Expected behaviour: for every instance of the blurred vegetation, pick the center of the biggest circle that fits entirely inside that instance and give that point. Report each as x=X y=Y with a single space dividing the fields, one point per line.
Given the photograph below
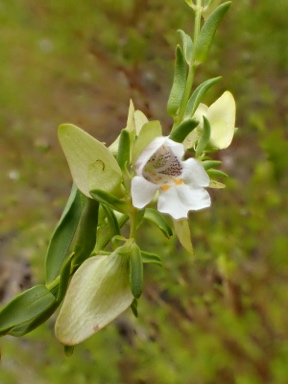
x=220 y=319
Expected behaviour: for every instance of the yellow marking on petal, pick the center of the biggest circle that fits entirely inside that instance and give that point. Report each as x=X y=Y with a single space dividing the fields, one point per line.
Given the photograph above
x=178 y=182
x=165 y=187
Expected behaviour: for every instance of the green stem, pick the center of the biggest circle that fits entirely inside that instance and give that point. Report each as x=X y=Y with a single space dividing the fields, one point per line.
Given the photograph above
x=133 y=223
x=192 y=67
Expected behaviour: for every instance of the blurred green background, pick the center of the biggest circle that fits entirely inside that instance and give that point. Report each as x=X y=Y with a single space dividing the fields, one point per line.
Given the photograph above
x=220 y=319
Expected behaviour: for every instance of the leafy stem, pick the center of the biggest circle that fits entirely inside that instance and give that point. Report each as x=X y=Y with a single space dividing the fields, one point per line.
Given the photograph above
x=192 y=66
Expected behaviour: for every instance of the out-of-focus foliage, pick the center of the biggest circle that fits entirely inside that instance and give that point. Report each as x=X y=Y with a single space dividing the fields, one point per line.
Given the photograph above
x=221 y=319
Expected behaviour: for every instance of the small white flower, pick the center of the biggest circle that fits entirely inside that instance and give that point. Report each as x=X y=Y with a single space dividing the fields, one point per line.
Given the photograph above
x=180 y=183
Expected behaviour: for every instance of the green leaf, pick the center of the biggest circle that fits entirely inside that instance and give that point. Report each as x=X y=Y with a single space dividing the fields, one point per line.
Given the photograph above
x=82 y=151
x=112 y=220
x=68 y=350
x=207 y=164
x=86 y=238
x=30 y=325
x=136 y=271
x=111 y=200
x=99 y=172
x=123 y=155
x=217 y=173
x=179 y=83
x=63 y=235
x=158 y=219
x=25 y=307
x=151 y=258
x=182 y=231
x=148 y=132
x=179 y=133
x=206 y=36
x=197 y=96
x=204 y=139
x=134 y=307
x=106 y=232
x=187 y=46
x=64 y=279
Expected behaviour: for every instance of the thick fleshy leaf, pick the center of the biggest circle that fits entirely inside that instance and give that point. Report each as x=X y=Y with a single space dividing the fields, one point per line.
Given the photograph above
x=217 y=173
x=99 y=292
x=83 y=151
x=179 y=82
x=207 y=164
x=63 y=235
x=204 y=138
x=187 y=46
x=183 y=232
x=136 y=271
x=86 y=238
x=148 y=132
x=206 y=36
x=182 y=131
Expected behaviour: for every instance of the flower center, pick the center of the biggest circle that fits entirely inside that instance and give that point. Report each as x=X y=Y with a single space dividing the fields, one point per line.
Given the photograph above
x=163 y=168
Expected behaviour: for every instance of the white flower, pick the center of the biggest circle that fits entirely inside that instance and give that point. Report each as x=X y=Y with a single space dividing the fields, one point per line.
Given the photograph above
x=180 y=183
x=221 y=116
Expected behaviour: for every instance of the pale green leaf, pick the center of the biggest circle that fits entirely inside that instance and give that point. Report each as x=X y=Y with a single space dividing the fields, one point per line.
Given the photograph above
x=83 y=151
x=182 y=230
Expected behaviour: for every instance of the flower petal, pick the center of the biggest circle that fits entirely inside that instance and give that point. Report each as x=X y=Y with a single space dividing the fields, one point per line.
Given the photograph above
x=149 y=151
x=178 y=200
x=99 y=291
x=142 y=191
x=194 y=173
x=221 y=116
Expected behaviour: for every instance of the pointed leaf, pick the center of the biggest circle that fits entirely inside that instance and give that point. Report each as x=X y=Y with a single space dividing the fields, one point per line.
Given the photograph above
x=179 y=82
x=216 y=184
x=63 y=235
x=206 y=36
x=197 y=96
x=187 y=46
x=139 y=119
x=86 y=238
x=158 y=219
x=204 y=139
x=82 y=151
x=183 y=232
x=111 y=200
x=25 y=307
x=217 y=173
x=134 y=307
x=151 y=258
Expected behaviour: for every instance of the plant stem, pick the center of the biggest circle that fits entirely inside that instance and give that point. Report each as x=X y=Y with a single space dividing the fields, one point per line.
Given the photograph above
x=192 y=66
